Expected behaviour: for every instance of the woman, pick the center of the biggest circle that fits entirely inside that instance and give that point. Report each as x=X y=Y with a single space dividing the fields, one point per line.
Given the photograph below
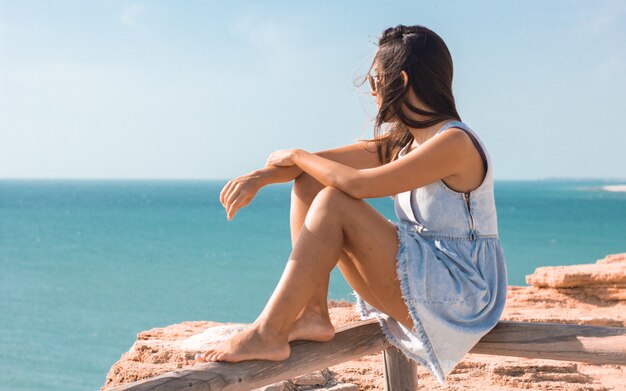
x=436 y=280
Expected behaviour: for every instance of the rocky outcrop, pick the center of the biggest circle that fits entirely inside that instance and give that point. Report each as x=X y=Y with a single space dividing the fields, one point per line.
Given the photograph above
x=580 y=294
x=165 y=349
x=605 y=279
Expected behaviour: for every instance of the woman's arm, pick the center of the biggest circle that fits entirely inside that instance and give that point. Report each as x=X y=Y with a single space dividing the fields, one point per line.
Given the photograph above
x=440 y=157
x=240 y=191
x=359 y=155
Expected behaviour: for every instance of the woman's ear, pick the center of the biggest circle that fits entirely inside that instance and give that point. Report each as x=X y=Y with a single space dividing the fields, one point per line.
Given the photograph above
x=405 y=78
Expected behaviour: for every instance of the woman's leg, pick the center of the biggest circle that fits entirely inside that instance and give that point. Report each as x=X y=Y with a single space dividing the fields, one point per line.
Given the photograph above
x=313 y=322
x=335 y=221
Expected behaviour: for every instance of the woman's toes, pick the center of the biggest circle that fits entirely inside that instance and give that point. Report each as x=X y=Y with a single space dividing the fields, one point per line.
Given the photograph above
x=203 y=357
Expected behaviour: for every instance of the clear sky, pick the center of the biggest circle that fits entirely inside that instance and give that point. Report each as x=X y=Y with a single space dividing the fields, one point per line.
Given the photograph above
x=207 y=89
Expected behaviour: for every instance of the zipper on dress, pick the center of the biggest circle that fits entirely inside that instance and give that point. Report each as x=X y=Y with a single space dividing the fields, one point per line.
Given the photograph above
x=469 y=211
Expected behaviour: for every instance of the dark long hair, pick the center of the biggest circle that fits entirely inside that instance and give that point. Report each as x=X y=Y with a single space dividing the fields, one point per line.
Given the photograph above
x=424 y=56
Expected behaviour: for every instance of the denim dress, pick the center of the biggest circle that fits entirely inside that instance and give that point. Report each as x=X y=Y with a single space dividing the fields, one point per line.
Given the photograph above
x=451 y=269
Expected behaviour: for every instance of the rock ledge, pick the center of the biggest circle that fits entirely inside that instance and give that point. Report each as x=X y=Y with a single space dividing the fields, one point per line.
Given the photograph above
x=592 y=294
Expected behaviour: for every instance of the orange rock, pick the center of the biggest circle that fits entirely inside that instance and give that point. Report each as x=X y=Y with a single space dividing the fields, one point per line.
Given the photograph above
x=600 y=300
x=612 y=258
x=610 y=272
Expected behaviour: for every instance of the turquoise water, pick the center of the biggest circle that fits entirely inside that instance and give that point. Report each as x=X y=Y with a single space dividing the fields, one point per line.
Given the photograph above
x=86 y=265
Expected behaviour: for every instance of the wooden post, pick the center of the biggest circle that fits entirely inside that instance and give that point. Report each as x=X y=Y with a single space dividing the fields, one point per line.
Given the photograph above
x=400 y=372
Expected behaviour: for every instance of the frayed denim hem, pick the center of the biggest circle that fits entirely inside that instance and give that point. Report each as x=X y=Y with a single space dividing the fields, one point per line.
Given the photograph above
x=431 y=362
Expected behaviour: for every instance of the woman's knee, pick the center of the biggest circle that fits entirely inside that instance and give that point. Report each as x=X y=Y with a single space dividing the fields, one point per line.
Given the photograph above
x=333 y=200
x=332 y=195
x=306 y=188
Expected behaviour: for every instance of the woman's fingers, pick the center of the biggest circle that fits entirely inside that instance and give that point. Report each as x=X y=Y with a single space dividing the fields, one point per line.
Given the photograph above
x=232 y=192
x=281 y=158
x=238 y=193
x=225 y=191
x=235 y=205
x=242 y=199
x=230 y=197
x=241 y=202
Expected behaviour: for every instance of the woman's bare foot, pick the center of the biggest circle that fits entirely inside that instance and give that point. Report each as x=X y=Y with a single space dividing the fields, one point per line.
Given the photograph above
x=250 y=344
x=312 y=326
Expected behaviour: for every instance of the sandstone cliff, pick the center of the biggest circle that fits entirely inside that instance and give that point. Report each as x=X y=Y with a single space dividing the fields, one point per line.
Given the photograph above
x=582 y=294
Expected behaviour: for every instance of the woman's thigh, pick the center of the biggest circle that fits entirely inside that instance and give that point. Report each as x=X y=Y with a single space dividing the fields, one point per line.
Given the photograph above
x=372 y=243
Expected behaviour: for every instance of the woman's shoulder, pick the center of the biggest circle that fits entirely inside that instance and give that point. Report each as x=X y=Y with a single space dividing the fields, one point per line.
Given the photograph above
x=464 y=131
x=477 y=156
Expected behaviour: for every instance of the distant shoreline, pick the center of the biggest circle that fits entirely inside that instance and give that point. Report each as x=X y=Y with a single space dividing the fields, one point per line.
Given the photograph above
x=615 y=188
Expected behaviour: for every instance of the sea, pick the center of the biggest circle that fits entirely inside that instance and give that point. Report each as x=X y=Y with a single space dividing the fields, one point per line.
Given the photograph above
x=87 y=264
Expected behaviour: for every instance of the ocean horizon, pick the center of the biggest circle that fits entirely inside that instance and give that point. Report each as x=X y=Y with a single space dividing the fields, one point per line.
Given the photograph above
x=87 y=264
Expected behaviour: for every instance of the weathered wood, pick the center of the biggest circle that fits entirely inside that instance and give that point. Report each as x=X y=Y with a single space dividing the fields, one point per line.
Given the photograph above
x=591 y=344
x=350 y=342
x=567 y=342
x=400 y=373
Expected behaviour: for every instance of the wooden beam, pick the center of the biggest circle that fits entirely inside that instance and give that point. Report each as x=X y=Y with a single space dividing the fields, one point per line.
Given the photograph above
x=567 y=342
x=591 y=344
x=400 y=372
x=350 y=342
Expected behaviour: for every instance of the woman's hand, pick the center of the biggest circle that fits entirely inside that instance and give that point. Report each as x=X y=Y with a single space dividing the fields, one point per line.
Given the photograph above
x=282 y=158
x=238 y=193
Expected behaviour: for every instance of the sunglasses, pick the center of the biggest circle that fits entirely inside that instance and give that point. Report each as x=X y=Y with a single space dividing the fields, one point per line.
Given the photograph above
x=374 y=81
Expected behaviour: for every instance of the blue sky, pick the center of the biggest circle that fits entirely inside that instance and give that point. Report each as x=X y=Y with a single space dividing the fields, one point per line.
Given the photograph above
x=204 y=89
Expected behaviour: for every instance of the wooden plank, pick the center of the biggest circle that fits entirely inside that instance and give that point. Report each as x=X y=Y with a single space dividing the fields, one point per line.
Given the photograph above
x=567 y=342
x=591 y=344
x=400 y=373
x=350 y=342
